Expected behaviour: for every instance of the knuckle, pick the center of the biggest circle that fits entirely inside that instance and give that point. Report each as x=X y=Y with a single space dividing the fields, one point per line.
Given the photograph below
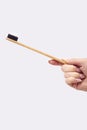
x=67 y=75
x=68 y=81
x=63 y=68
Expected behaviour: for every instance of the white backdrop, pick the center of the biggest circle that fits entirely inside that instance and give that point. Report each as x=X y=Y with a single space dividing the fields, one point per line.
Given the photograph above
x=33 y=94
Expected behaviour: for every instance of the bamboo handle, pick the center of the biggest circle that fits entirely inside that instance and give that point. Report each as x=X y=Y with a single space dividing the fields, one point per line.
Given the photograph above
x=61 y=61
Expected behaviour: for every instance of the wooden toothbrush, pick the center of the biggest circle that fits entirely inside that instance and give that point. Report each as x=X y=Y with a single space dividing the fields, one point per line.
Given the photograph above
x=14 y=39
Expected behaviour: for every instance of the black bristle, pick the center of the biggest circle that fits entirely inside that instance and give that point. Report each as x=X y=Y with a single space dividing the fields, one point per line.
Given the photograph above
x=12 y=37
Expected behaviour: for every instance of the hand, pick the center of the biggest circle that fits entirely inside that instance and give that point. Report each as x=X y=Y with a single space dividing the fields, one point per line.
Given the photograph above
x=75 y=72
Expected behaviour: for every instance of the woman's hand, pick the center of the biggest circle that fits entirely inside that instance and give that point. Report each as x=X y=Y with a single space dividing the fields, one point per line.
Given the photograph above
x=75 y=72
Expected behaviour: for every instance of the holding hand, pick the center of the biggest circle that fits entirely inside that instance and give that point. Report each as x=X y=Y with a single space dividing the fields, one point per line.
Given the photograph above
x=75 y=72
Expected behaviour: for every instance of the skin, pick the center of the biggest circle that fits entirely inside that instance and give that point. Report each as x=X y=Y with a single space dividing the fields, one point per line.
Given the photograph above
x=75 y=72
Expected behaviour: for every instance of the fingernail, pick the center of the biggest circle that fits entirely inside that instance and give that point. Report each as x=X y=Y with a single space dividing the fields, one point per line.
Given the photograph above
x=78 y=70
x=82 y=76
x=78 y=80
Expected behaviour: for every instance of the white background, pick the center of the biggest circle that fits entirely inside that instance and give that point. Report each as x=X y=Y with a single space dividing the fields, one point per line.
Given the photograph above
x=33 y=94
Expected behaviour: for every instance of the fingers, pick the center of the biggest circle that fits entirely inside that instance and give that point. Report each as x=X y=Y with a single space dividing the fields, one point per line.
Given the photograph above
x=74 y=74
x=70 y=68
x=71 y=80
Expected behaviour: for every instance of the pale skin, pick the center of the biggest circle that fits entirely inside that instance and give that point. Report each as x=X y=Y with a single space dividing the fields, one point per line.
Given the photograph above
x=75 y=72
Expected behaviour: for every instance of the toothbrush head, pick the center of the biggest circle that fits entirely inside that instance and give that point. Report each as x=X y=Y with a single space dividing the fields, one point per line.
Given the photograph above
x=12 y=37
